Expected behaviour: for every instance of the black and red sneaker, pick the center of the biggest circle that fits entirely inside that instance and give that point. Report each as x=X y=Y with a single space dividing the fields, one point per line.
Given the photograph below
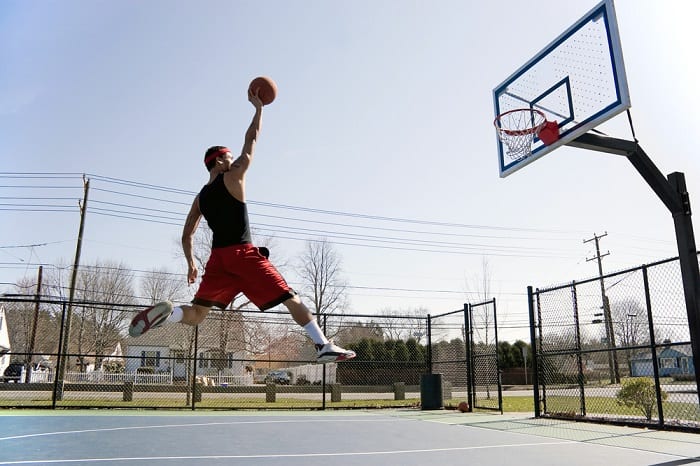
x=332 y=353
x=150 y=318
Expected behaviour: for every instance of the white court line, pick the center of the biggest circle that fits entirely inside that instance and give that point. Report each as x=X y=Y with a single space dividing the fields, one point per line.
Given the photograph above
x=167 y=426
x=297 y=455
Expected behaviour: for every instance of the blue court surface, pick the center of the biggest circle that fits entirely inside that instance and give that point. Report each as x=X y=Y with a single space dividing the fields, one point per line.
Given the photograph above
x=381 y=437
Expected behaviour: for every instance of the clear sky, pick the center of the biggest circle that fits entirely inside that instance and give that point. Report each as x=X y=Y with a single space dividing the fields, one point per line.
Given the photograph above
x=382 y=129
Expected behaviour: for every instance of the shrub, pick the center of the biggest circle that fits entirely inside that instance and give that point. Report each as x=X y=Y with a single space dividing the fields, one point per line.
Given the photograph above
x=640 y=393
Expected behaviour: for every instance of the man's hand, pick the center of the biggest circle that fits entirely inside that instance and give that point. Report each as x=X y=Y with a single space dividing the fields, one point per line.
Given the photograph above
x=192 y=273
x=255 y=100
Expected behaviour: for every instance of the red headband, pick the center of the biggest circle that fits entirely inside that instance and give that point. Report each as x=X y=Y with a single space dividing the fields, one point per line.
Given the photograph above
x=215 y=154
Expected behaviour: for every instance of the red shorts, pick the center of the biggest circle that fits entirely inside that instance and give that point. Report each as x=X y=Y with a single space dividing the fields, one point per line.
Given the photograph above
x=241 y=269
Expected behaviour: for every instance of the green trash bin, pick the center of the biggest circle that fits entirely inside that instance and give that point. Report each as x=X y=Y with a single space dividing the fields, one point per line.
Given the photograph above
x=431 y=391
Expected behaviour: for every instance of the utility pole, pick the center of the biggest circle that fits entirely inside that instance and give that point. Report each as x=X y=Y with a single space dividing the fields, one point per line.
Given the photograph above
x=32 y=337
x=61 y=372
x=607 y=316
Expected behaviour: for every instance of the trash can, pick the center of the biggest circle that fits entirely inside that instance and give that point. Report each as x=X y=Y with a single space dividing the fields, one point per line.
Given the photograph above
x=431 y=391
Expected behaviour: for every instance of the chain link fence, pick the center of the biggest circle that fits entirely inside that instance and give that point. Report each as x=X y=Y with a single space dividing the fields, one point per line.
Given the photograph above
x=233 y=360
x=448 y=354
x=487 y=388
x=616 y=349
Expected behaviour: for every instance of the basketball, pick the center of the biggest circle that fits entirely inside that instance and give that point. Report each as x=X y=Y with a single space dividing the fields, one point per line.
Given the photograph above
x=463 y=407
x=266 y=88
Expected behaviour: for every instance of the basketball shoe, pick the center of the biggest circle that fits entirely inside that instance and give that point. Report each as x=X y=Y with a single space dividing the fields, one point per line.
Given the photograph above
x=332 y=353
x=150 y=318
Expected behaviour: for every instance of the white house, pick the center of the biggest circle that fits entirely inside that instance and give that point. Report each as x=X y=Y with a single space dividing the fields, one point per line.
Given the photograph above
x=169 y=349
x=4 y=342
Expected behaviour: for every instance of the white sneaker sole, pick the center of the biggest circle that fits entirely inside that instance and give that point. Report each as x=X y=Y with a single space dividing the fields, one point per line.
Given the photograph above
x=150 y=318
x=335 y=357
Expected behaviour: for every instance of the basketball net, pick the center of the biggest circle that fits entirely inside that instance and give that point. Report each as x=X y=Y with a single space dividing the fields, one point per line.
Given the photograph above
x=517 y=130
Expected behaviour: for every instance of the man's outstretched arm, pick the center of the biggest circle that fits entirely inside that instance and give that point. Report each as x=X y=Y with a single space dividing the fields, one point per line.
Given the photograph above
x=191 y=223
x=251 y=135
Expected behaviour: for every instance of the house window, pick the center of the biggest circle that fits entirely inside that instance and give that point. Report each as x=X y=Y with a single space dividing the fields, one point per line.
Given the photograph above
x=229 y=359
x=150 y=358
x=203 y=361
x=667 y=362
x=179 y=356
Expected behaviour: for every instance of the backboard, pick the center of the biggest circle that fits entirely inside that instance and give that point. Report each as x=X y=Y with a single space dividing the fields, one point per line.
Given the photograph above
x=578 y=80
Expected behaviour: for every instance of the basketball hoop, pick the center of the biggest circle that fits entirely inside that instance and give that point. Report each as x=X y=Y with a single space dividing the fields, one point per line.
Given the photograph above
x=517 y=130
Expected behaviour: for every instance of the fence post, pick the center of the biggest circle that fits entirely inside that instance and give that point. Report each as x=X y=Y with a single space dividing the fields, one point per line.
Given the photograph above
x=535 y=355
x=579 y=362
x=58 y=378
x=399 y=390
x=270 y=392
x=128 y=391
x=652 y=342
x=335 y=392
x=194 y=369
x=498 y=361
x=430 y=346
x=324 y=379
x=468 y=354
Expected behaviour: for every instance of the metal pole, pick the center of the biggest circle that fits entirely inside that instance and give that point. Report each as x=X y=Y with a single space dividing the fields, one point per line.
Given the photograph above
x=533 y=345
x=674 y=195
x=652 y=342
x=59 y=358
x=687 y=255
x=323 y=375
x=468 y=354
x=430 y=347
x=194 y=366
x=579 y=363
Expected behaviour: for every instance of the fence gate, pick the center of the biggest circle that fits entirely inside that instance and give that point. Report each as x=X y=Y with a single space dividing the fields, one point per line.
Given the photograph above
x=485 y=389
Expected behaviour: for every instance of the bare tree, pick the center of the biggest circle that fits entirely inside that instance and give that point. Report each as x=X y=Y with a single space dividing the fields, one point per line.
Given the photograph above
x=631 y=326
x=160 y=284
x=483 y=320
x=20 y=322
x=321 y=275
x=402 y=324
x=103 y=287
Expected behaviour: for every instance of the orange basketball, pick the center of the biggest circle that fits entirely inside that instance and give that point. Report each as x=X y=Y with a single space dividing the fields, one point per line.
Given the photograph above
x=266 y=88
x=463 y=407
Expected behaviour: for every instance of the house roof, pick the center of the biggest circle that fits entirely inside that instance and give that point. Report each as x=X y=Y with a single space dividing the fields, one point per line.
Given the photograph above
x=665 y=353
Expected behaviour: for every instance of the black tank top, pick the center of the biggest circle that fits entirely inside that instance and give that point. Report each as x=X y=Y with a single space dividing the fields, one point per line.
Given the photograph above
x=227 y=216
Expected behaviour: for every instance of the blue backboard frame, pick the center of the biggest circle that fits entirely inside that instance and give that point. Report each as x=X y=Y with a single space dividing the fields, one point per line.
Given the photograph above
x=562 y=91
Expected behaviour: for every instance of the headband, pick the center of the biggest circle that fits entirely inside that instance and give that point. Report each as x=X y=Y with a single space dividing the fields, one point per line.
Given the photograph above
x=216 y=154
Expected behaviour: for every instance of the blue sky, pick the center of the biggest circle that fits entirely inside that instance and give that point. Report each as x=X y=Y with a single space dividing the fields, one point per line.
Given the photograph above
x=382 y=127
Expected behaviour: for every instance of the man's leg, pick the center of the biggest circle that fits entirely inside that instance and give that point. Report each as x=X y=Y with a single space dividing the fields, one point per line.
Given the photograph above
x=164 y=313
x=191 y=315
x=326 y=350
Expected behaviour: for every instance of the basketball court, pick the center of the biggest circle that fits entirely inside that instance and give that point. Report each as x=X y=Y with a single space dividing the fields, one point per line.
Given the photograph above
x=405 y=437
x=556 y=98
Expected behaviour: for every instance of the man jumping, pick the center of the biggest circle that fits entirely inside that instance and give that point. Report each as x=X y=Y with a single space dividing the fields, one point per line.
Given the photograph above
x=235 y=264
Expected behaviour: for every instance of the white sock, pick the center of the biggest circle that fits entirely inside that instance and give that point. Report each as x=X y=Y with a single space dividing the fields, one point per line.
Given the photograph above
x=315 y=332
x=176 y=315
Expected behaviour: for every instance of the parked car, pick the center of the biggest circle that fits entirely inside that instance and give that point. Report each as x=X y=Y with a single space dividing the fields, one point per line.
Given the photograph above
x=13 y=372
x=278 y=377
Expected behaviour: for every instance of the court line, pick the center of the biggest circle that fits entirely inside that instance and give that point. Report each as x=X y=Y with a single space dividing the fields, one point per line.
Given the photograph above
x=290 y=455
x=203 y=424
